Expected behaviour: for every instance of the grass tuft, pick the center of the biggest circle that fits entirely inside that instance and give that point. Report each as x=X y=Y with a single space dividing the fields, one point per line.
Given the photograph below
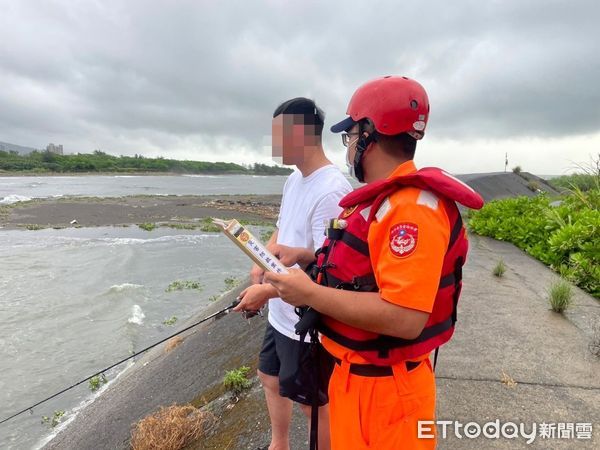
x=507 y=380
x=560 y=296
x=499 y=269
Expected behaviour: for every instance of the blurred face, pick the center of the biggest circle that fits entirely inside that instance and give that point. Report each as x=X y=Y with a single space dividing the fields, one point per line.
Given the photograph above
x=291 y=137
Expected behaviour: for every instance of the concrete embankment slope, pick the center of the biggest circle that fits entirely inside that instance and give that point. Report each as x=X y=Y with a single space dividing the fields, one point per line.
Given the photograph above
x=506 y=184
x=191 y=372
x=505 y=327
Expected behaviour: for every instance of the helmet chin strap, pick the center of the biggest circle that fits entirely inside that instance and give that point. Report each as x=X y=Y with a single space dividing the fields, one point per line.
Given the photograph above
x=361 y=147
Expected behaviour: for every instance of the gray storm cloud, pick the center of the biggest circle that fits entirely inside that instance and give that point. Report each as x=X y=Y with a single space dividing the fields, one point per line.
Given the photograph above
x=125 y=73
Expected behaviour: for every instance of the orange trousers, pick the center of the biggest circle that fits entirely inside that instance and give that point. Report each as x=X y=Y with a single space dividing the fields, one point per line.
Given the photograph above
x=381 y=412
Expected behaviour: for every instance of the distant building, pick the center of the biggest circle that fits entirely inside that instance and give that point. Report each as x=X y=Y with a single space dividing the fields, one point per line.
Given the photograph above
x=21 y=150
x=51 y=148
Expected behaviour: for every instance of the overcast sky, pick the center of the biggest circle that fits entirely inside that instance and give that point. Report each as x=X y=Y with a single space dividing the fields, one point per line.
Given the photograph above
x=200 y=79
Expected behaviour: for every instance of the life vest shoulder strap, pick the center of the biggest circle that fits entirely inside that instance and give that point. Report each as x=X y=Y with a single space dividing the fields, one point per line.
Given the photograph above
x=429 y=178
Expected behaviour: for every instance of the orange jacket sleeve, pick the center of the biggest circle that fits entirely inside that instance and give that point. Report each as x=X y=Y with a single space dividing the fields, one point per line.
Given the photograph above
x=407 y=242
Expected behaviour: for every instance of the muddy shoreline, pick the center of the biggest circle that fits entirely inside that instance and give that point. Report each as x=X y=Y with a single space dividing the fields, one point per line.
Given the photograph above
x=123 y=211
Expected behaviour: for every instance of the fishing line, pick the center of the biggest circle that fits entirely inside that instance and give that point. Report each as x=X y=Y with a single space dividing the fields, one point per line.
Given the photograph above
x=101 y=372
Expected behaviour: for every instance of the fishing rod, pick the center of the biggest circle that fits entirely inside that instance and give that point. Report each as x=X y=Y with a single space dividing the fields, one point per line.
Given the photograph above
x=217 y=315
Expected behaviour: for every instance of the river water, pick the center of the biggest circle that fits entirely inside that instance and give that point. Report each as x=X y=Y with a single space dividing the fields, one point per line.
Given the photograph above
x=73 y=301
x=14 y=189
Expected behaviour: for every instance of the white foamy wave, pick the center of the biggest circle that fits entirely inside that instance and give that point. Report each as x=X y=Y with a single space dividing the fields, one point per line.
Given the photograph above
x=187 y=238
x=125 y=287
x=202 y=176
x=76 y=242
x=93 y=242
x=14 y=198
x=137 y=315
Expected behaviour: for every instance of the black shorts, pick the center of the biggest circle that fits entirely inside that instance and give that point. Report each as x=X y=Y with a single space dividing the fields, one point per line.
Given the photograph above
x=303 y=368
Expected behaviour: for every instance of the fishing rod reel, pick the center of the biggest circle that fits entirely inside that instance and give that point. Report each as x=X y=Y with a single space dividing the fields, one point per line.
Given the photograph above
x=248 y=314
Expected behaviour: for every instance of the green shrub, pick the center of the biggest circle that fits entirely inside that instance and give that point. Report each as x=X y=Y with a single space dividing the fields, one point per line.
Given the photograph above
x=180 y=285
x=583 y=181
x=96 y=382
x=54 y=420
x=266 y=234
x=517 y=170
x=34 y=227
x=499 y=269
x=533 y=186
x=147 y=226
x=560 y=296
x=170 y=321
x=206 y=225
x=230 y=283
x=236 y=380
x=564 y=237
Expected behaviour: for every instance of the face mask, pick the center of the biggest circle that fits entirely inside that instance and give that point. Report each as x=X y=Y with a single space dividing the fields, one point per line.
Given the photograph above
x=350 y=166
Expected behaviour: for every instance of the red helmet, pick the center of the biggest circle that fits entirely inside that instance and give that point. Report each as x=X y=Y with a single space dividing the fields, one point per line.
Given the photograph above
x=394 y=104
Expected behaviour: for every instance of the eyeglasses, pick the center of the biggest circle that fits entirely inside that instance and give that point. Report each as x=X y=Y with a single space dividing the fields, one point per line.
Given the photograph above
x=346 y=138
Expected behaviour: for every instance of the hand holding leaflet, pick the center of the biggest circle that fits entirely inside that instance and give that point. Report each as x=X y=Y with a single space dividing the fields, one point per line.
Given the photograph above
x=250 y=245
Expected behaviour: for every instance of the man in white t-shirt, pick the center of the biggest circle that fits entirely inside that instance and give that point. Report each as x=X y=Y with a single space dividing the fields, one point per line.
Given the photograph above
x=310 y=197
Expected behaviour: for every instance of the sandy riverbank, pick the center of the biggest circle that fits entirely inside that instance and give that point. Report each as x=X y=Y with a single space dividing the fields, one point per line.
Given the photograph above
x=95 y=211
x=119 y=211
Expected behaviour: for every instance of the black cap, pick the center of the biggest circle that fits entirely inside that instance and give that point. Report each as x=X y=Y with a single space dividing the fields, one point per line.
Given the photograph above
x=344 y=125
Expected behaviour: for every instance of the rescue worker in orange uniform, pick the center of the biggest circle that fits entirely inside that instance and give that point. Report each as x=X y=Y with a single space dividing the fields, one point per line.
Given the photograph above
x=395 y=257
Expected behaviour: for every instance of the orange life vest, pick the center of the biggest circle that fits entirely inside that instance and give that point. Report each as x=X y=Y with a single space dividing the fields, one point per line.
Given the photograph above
x=344 y=263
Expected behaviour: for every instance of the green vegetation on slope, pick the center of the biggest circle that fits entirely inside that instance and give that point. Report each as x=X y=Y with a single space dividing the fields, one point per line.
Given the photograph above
x=582 y=181
x=44 y=162
x=563 y=234
x=586 y=180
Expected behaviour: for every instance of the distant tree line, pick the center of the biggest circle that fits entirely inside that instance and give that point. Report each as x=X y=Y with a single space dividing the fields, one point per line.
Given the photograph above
x=46 y=162
x=582 y=181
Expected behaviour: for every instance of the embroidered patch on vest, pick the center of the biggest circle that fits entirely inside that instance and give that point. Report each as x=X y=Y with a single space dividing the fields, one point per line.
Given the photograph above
x=403 y=239
x=349 y=211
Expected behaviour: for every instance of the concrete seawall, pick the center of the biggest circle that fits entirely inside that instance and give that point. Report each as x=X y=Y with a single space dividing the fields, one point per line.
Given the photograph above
x=505 y=327
x=193 y=369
